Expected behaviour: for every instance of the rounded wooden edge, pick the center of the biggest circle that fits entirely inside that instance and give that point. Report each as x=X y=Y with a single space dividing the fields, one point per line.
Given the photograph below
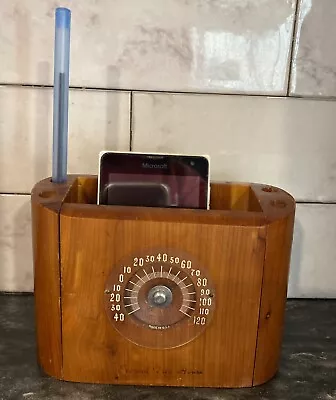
x=46 y=372
x=272 y=374
x=46 y=202
x=274 y=294
x=51 y=195
x=268 y=203
x=276 y=203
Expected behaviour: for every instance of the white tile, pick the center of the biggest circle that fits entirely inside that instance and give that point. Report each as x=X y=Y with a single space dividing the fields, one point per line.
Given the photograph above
x=16 y=265
x=313 y=272
x=314 y=58
x=178 y=45
x=97 y=120
x=289 y=143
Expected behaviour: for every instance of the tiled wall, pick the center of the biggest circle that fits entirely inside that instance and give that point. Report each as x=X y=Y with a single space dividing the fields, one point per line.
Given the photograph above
x=250 y=82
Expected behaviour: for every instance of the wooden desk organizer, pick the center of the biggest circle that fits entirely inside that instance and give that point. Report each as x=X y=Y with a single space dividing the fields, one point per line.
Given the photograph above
x=148 y=296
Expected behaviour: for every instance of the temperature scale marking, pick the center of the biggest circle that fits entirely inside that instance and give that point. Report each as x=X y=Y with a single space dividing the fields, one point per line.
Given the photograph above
x=185 y=313
x=134 y=311
x=131 y=305
x=146 y=274
x=159 y=293
x=140 y=278
x=135 y=284
x=176 y=275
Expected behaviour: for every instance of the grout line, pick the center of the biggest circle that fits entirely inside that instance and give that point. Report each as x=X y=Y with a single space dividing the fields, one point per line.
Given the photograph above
x=40 y=86
x=23 y=85
x=93 y=88
x=291 y=53
x=317 y=203
x=131 y=122
x=179 y=92
x=13 y=292
x=14 y=194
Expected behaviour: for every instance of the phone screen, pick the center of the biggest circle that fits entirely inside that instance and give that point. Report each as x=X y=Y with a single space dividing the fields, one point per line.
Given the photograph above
x=154 y=180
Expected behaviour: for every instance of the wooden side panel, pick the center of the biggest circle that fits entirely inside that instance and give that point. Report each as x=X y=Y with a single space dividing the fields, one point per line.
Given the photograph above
x=94 y=351
x=273 y=298
x=47 y=288
x=46 y=201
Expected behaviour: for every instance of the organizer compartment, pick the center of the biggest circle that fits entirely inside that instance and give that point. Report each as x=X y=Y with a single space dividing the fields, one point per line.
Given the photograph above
x=241 y=245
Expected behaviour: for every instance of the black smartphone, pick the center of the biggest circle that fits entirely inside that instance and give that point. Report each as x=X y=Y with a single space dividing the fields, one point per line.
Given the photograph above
x=153 y=180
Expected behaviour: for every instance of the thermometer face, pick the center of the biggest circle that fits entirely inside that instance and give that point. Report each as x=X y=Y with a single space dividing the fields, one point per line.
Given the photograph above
x=159 y=299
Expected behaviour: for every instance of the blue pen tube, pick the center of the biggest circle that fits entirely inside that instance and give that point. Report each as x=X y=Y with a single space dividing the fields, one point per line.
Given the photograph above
x=61 y=94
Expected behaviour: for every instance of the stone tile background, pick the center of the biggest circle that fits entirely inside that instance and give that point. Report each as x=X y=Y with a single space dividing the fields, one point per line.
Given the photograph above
x=249 y=82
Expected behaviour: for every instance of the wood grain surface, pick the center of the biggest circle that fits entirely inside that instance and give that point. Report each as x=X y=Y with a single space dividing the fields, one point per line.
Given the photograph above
x=243 y=243
x=275 y=282
x=46 y=204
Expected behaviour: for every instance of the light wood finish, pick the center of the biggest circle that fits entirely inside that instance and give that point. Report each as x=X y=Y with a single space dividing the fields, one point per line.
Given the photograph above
x=91 y=248
x=274 y=287
x=46 y=204
x=243 y=243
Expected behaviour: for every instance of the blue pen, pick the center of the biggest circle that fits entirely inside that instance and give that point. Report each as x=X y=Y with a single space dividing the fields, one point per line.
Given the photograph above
x=61 y=95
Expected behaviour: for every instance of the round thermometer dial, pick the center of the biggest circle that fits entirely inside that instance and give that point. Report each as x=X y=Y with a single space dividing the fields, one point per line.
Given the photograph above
x=159 y=299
